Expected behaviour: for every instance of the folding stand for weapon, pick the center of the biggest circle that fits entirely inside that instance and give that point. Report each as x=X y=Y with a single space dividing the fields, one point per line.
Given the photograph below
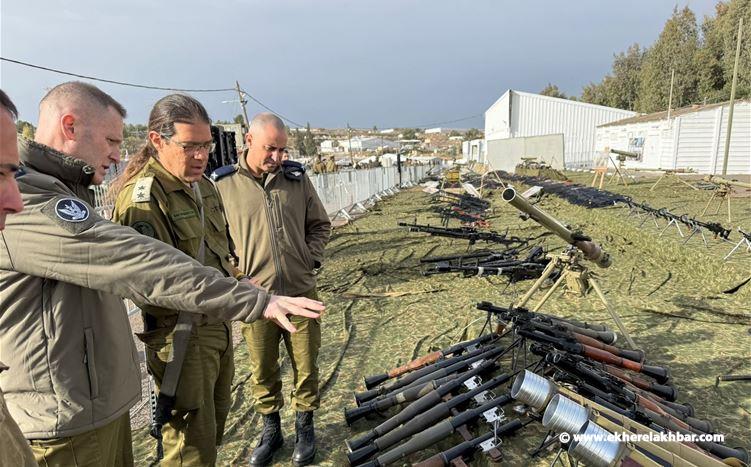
x=671 y=173
x=620 y=170
x=647 y=215
x=694 y=230
x=745 y=238
x=674 y=222
x=722 y=193
x=576 y=277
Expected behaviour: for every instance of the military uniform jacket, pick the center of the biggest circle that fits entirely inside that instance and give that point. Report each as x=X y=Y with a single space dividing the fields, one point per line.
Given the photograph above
x=279 y=229
x=64 y=333
x=156 y=203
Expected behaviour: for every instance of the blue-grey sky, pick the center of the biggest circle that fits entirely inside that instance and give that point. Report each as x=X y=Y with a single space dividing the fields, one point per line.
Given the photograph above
x=390 y=63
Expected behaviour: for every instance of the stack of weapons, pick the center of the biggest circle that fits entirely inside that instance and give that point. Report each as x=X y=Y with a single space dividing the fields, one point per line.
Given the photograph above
x=472 y=234
x=467 y=209
x=580 y=382
x=489 y=263
x=695 y=225
x=579 y=195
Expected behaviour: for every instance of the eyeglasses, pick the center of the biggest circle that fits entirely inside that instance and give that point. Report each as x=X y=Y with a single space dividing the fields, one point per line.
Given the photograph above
x=193 y=148
x=274 y=149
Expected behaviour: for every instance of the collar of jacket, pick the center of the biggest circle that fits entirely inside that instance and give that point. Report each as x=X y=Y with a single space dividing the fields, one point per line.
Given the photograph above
x=71 y=171
x=168 y=181
x=242 y=167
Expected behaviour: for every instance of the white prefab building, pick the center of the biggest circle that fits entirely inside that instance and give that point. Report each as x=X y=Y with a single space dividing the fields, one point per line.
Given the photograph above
x=558 y=131
x=693 y=138
x=474 y=150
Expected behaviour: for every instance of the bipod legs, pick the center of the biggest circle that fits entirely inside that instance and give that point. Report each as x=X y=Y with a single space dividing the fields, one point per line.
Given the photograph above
x=677 y=226
x=738 y=245
x=694 y=231
x=613 y=313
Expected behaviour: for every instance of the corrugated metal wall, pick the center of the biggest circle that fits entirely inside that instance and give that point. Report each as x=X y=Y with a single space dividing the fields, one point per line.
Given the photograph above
x=694 y=141
x=533 y=115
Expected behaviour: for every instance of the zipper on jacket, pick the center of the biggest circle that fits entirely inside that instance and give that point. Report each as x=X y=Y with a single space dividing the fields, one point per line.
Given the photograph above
x=274 y=245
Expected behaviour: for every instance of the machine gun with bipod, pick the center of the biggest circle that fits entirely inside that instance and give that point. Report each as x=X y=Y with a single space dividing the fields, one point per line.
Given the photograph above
x=465 y=233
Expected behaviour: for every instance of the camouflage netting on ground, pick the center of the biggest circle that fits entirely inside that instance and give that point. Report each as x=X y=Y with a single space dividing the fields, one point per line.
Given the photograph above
x=382 y=312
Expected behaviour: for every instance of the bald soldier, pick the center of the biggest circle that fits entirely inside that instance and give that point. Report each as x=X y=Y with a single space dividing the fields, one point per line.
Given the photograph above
x=279 y=228
x=64 y=330
x=14 y=449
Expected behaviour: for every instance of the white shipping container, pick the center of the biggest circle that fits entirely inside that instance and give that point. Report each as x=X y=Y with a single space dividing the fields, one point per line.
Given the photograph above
x=520 y=114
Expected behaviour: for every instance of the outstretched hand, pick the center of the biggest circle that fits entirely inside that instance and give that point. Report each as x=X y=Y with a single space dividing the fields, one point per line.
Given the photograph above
x=279 y=307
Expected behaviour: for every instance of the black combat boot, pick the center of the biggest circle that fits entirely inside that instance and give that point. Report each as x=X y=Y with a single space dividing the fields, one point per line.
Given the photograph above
x=305 y=442
x=271 y=440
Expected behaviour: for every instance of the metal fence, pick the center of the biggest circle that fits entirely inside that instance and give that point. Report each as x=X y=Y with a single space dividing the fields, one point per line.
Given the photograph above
x=339 y=192
x=343 y=190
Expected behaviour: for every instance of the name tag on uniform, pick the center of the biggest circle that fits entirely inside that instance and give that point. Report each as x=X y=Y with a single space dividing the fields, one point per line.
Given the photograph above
x=187 y=214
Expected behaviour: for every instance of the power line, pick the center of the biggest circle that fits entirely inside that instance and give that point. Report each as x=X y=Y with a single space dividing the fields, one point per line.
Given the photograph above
x=447 y=121
x=271 y=110
x=121 y=83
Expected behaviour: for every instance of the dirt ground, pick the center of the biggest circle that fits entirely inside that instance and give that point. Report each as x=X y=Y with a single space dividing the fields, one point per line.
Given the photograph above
x=382 y=312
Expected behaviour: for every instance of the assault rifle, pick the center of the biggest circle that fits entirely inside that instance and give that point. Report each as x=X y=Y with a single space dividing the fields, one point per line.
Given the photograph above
x=528 y=268
x=660 y=374
x=464 y=233
x=597 y=331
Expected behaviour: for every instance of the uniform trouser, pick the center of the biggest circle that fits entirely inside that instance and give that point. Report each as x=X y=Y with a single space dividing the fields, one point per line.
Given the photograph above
x=14 y=449
x=110 y=445
x=263 y=338
x=203 y=396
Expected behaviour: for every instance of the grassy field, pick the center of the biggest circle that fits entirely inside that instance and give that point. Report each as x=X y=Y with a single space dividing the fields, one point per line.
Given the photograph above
x=382 y=312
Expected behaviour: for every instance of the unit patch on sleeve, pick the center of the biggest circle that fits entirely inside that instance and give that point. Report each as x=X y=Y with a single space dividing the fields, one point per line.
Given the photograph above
x=70 y=213
x=144 y=228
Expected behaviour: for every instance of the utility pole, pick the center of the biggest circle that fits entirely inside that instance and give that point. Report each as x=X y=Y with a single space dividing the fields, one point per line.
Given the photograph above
x=670 y=99
x=732 y=99
x=243 y=101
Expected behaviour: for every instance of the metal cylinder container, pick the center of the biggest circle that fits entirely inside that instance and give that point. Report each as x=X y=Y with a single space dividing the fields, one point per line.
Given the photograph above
x=564 y=415
x=593 y=448
x=533 y=390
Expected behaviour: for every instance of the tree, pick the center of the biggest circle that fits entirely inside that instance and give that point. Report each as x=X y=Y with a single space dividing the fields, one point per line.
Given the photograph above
x=675 y=49
x=472 y=133
x=409 y=133
x=239 y=119
x=308 y=143
x=454 y=133
x=552 y=91
x=715 y=59
x=26 y=129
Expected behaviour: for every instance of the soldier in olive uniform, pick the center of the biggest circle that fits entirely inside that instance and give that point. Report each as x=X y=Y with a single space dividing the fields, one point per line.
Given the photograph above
x=14 y=449
x=318 y=166
x=165 y=195
x=331 y=165
x=64 y=331
x=279 y=228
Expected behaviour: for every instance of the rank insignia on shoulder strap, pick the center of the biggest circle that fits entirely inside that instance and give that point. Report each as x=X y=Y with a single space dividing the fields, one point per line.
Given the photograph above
x=142 y=190
x=293 y=170
x=222 y=172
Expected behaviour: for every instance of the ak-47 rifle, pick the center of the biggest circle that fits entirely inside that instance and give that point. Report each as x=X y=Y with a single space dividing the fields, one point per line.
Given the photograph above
x=596 y=331
x=660 y=374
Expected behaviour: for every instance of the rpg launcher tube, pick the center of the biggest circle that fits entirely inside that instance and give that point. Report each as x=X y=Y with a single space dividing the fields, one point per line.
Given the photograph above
x=424 y=420
x=436 y=433
x=443 y=459
x=592 y=251
x=417 y=407
x=362 y=397
x=375 y=380
x=407 y=395
x=488 y=353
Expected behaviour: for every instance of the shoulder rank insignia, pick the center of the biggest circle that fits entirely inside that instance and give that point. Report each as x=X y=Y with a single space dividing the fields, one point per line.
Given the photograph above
x=142 y=190
x=222 y=172
x=293 y=170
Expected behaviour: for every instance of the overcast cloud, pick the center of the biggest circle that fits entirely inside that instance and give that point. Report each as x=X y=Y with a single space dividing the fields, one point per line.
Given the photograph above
x=390 y=63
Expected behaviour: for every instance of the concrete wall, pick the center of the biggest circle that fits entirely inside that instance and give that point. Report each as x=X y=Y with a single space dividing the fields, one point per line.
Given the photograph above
x=505 y=154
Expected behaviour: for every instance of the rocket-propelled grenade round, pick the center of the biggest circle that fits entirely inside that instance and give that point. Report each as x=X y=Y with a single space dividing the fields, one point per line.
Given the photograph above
x=592 y=251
